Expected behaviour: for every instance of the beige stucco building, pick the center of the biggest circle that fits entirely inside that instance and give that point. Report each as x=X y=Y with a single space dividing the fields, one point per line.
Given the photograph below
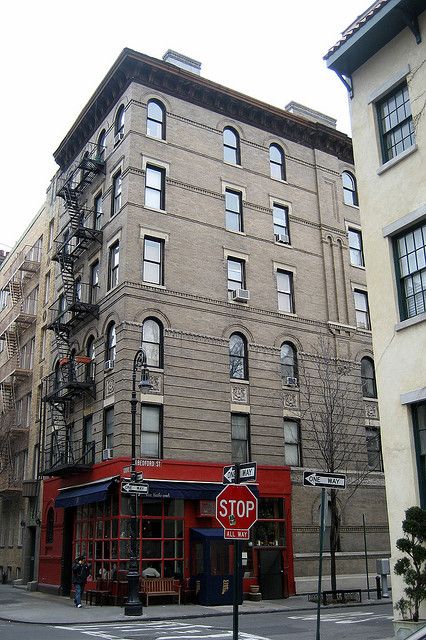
x=381 y=58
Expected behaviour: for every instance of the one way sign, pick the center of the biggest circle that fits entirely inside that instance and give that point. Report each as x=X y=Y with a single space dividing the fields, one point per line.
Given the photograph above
x=324 y=479
x=247 y=473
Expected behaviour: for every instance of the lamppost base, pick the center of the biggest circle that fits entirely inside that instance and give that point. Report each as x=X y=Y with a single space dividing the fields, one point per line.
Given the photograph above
x=133 y=609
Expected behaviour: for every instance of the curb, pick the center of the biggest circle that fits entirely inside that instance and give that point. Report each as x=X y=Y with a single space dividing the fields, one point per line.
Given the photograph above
x=207 y=614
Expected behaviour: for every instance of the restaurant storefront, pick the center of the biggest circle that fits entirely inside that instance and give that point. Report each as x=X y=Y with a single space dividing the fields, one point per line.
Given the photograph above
x=91 y=515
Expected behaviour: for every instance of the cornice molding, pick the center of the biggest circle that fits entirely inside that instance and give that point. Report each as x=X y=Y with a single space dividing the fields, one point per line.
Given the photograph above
x=132 y=66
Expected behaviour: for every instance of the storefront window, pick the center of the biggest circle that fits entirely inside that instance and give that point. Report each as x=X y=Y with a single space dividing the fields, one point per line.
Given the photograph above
x=269 y=530
x=104 y=536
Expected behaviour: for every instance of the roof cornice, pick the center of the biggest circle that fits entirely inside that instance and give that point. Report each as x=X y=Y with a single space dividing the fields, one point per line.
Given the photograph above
x=132 y=66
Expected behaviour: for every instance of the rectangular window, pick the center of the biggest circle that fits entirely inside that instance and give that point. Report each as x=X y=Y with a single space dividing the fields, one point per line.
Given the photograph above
x=153 y=251
x=109 y=428
x=50 y=239
x=151 y=430
x=395 y=122
x=94 y=282
x=355 y=248
x=233 y=210
x=280 y=218
x=155 y=180
x=374 y=450
x=240 y=441
x=410 y=257
x=285 y=291
x=292 y=445
x=236 y=274
x=88 y=449
x=43 y=343
x=116 y=194
x=361 y=309
x=97 y=210
x=47 y=287
x=113 y=264
x=419 y=425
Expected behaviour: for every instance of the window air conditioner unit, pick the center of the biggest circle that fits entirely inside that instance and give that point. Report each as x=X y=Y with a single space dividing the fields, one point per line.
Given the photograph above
x=107 y=454
x=109 y=364
x=282 y=237
x=291 y=382
x=241 y=295
x=118 y=136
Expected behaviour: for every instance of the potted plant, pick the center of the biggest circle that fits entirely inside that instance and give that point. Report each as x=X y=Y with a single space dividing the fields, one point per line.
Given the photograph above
x=412 y=568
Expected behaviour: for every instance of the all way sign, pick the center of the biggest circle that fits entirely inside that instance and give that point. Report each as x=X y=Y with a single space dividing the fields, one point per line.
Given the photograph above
x=324 y=479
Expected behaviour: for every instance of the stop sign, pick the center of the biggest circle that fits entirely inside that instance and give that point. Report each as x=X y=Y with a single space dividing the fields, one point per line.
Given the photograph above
x=236 y=507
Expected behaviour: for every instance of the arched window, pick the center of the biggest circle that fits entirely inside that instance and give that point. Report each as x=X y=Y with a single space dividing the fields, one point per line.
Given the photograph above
x=277 y=162
x=350 y=194
x=368 y=378
x=50 y=522
x=90 y=348
x=156 y=120
x=119 y=122
x=288 y=356
x=101 y=146
x=152 y=342
x=111 y=343
x=238 y=361
x=231 y=146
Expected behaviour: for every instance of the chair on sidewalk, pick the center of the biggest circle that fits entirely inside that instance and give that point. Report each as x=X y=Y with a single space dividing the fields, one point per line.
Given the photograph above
x=100 y=594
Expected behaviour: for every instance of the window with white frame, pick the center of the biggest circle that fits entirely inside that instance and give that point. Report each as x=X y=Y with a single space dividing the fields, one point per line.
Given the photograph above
x=116 y=193
x=355 y=248
x=113 y=264
x=156 y=120
x=374 y=449
x=111 y=343
x=151 y=430
x=231 y=146
x=350 y=193
x=362 y=312
x=98 y=209
x=395 y=122
x=292 y=444
x=152 y=342
x=285 y=291
x=109 y=428
x=236 y=274
x=240 y=440
x=418 y=411
x=155 y=180
x=233 y=210
x=153 y=251
x=277 y=162
x=280 y=219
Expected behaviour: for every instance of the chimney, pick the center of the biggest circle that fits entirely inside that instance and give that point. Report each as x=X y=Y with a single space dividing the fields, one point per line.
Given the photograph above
x=179 y=60
x=310 y=114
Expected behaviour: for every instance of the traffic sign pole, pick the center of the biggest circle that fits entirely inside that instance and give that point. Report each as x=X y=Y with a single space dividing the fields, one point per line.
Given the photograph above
x=321 y=544
x=237 y=570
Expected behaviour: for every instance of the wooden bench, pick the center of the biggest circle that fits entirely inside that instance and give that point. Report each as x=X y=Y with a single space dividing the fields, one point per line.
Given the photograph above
x=159 y=587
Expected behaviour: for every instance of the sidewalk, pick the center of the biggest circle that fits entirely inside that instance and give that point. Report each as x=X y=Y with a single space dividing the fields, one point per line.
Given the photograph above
x=20 y=605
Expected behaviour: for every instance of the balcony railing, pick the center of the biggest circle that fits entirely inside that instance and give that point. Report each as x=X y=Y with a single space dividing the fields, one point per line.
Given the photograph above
x=82 y=307
x=90 y=163
x=27 y=260
x=76 y=237
x=71 y=379
x=68 y=458
x=10 y=484
x=17 y=366
x=22 y=313
x=14 y=423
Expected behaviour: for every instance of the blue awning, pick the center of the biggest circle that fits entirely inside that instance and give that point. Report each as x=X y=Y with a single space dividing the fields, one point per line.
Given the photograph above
x=85 y=494
x=187 y=490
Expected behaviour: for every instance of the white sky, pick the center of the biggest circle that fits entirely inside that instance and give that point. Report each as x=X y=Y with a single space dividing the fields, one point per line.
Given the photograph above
x=54 y=53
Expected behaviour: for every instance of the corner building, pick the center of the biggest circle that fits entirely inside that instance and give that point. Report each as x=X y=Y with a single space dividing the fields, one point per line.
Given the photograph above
x=210 y=229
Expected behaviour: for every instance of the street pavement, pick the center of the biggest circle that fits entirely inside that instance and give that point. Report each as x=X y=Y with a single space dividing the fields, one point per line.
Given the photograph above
x=20 y=605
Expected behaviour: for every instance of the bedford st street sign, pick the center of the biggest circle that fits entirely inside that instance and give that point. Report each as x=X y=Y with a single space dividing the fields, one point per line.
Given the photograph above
x=323 y=479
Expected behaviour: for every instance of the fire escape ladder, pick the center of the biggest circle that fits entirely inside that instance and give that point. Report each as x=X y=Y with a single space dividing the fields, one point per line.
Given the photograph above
x=15 y=287
x=12 y=341
x=60 y=450
x=7 y=390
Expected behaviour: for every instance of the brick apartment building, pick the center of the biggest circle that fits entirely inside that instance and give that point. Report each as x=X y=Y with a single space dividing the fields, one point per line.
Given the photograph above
x=221 y=235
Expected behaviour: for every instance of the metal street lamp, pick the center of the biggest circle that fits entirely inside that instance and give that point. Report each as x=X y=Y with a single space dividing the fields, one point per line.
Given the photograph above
x=133 y=606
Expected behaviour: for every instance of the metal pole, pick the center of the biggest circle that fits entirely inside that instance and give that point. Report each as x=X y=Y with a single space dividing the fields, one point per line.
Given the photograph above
x=366 y=555
x=321 y=543
x=133 y=606
x=237 y=564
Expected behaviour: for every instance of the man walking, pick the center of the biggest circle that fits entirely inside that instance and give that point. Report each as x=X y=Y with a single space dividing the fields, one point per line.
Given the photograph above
x=80 y=571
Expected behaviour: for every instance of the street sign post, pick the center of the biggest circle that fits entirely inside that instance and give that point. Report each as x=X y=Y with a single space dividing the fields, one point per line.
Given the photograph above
x=324 y=479
x=138 y=488
x=247 y=473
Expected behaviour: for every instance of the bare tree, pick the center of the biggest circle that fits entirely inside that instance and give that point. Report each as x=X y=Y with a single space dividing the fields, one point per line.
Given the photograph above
x=333 y=412
x=418 y=101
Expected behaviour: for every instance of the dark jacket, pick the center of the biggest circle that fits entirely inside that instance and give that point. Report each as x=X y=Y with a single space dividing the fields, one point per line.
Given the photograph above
x=80 y=572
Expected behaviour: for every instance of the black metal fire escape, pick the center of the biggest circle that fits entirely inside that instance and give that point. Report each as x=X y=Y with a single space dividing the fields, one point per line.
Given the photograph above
x=73 y=377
